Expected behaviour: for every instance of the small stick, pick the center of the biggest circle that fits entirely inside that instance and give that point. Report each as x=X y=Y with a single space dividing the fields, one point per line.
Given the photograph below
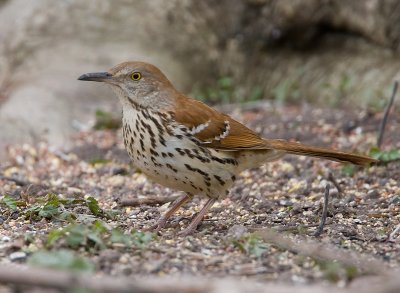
x=324 y=251
x=296 y=227
x=386 y=114
x=324 y=212
x=149 y=200
x=335 y=183
x=40 y=279
x=392 y=236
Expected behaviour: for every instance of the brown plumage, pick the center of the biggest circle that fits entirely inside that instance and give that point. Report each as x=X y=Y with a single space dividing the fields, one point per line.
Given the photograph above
x=192 y=113
x=185 y=144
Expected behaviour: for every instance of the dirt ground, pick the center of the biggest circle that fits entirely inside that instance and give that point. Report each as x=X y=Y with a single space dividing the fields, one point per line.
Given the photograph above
x=286 y=195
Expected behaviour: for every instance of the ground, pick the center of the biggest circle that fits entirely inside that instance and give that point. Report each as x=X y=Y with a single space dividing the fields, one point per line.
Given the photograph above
x=91 y=182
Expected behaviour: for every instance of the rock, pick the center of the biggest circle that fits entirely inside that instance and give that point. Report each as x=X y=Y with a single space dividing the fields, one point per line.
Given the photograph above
x=236 y=231
x=44 y=49
x=372 y=194
x=119 y=171
x=45 y=45
x=5 y=239
x=17 y=256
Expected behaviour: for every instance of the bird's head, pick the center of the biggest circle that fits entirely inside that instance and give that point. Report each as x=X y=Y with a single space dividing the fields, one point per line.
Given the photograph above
x=136 y=81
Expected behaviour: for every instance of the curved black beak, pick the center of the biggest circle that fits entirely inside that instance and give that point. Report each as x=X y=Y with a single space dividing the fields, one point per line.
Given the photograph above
x=95 y=76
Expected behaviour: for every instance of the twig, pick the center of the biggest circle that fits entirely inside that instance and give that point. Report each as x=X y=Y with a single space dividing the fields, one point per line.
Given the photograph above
x=149 y=200
x=335 y=183
x=324 y=252
x=324 y=212
x=392 y=236
x=386 y=114
x=296 y=227
x=67 y=280
x=17 y=181
x=64 y=281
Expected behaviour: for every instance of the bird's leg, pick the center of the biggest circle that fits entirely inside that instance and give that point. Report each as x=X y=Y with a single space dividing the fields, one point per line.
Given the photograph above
x=164 y=218
x=196 y=221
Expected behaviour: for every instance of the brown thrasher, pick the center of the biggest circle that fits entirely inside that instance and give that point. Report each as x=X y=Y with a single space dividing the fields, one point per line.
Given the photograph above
x=184 y=144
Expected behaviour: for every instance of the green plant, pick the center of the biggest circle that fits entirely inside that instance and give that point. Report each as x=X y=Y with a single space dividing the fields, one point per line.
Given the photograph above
x=225 y=91
x=106 y=120
x=335 y=271
x=348 y=169
x=385 y=156
x=62 y=259
x=10 y=202
x=251 y=244
x=286 y=90
x=345 y=85
x=99 y=161
x=96 y=236
x=339 y=90
x=52 y=206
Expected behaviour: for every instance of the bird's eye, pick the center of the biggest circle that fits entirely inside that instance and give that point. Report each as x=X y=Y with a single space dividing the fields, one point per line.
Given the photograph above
x=136 y=76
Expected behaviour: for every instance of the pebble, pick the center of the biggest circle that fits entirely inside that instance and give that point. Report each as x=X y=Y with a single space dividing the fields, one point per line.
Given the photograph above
x=119 y=171
x=381 y=238
x=237 y=231
x=17 y=256
x=73 y=190
x=124 y=259
x=5 y=239
x=285 y=203
x=394 y=199
x=372 y=194
x=116 y=180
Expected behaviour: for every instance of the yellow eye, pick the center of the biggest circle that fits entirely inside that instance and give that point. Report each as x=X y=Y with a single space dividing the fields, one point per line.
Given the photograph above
x=136 y=76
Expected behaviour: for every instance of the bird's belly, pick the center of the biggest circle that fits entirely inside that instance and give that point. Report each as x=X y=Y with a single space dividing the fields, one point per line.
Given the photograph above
x=183 y=170
x=181 y=164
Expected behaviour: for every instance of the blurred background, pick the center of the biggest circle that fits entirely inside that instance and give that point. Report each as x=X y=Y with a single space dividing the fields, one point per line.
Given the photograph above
x=322 y=52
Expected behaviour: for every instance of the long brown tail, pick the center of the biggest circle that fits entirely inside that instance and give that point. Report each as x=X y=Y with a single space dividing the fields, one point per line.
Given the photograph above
x=305 y=150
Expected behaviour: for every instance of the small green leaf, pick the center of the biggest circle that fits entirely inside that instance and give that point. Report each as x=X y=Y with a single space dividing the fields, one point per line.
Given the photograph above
x=251 y=244
x=67 y=216
x=33 y=210
x=117 y=236
x=99 y=161
x=99 y=226
x=53 y=236
x=52 y=198
x=62 y=259
x=96 y=239
x=93 y=206
x=140 y=239
x=49 y=211
x=385 y=156
x=10 y=202
x=348 y=169
x=75 y=235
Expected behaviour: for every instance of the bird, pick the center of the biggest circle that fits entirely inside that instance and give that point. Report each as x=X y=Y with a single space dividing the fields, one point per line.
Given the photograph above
x=186 y=145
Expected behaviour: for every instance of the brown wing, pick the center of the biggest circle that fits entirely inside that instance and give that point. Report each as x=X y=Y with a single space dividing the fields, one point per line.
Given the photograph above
x=219 y=131
x=214 y=129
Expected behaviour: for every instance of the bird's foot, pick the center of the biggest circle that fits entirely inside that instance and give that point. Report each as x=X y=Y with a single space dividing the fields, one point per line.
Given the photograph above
x=187 y=231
